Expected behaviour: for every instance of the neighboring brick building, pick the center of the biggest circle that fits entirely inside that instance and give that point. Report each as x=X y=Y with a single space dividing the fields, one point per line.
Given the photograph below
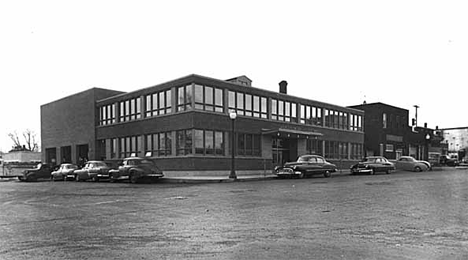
x=184 y=125
x=389 y=134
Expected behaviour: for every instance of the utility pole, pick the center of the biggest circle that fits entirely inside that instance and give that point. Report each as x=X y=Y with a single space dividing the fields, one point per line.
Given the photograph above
x=416 y=116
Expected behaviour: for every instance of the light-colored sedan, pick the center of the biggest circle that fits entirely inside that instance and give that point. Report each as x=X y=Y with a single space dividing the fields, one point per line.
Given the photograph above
x=408 y=163
x=93 y=170
x=64 y=172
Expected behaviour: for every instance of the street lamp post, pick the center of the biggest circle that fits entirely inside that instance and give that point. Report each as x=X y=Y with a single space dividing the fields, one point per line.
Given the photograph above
x=232 y=175
x=428 y=138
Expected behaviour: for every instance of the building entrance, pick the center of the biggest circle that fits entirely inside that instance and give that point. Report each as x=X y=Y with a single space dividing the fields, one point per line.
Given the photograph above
x=284 y=150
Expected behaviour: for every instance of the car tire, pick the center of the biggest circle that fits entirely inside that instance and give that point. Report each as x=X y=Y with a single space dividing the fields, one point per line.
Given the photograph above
x=388 y=171
x=77 y=177
x=302 y=175
x=372 y=171
x=95 y=178
x=417 y=169
x=327 y=174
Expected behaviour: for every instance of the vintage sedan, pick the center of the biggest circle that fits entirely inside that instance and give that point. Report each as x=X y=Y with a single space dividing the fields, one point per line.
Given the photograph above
x=373 y=164
x=135 y=169
x=305 y=166
x=408 y=163
x=41 y=172
x=64 y=172
x=92 y=170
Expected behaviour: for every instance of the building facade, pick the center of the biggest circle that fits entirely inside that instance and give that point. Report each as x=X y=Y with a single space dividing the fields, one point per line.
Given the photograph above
x=389 y=134
x=184 y=126
x=456 y=140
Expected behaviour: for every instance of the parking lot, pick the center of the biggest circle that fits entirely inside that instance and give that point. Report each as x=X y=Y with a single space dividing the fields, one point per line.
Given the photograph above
x=404 y=215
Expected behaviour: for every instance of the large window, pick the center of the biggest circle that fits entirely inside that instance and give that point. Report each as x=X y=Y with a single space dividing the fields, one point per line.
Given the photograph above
x=208 y=98
x=184 y=142
x=336 y=150
x=247 y=104
x=208 y=142
x=107 y=114
x=314 y=146
x=283 y=110
x=184 y=98
x=130 y=109
x=130 y=146
x=356 y=151
x=158 y=144
x=158 y=103
x=248 y=144
x=355 y=123
x=310 y=115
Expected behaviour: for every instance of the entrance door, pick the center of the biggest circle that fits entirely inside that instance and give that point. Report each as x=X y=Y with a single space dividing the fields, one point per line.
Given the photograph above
x=283 y=151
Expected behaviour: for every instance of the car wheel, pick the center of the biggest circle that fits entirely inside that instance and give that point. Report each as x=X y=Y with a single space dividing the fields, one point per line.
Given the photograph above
x=388 y=171
x=327 y=174
x=77 y=177
x=133 y=178
x=372 y=171
x=95 y=179
x=417 y=169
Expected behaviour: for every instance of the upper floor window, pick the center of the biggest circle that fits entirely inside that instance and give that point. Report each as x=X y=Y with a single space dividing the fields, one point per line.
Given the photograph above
x=283 y=110
x=107 y=114
x=158 y=103
x=209 y=98
x=130 y=109
x=384 y=120
x=248 y=104
x=184 y=98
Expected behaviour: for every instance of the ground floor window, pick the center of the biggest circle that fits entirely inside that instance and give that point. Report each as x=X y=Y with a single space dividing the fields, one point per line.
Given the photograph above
x=356 y=152
x=208 y=142
x=184 y=142
x=130 y=146
x=158 y=144
x=314 y=146
x=336 y=150
x=248 y=144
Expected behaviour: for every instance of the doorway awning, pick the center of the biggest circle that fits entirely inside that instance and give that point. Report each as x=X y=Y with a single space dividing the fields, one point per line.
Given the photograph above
x=291 y=133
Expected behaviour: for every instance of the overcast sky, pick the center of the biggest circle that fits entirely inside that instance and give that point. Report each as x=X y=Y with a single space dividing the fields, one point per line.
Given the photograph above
x=402 y=53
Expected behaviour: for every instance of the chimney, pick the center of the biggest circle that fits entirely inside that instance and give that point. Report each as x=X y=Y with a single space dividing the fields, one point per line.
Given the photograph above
x=425 y=125
x=283 y=87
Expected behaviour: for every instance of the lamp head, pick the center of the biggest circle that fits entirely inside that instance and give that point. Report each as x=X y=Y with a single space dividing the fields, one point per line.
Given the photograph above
x=232 y=115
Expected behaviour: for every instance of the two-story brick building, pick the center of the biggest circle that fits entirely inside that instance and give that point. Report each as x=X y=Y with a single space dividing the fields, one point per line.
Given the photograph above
x=184 y=126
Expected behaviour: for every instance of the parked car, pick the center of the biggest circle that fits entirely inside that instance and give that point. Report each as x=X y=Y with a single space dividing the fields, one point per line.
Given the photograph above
x=449 y=161
x=305 y=166
x=408 y=163
x=64 y=172
x=92 y=170
x=41 y=172
x=373 y=164
x=135 y=169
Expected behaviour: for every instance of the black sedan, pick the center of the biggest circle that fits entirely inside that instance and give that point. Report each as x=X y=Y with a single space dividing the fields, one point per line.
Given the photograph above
x=373 y=164
x=305 y=166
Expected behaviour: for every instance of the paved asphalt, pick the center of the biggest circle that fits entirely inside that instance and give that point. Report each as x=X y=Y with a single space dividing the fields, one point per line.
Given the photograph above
x=404 y=215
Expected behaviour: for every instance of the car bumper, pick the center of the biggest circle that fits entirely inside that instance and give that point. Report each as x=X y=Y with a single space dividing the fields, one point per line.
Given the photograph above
x=103 y=176
x=287 y=172
x=362 y=170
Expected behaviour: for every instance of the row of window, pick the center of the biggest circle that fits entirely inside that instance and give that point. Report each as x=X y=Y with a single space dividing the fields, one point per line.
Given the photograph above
x=335 y=149
x=212 y=99
x=189 y=141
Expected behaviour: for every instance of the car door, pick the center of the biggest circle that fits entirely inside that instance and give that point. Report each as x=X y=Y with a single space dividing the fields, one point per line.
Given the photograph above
x=404 y=164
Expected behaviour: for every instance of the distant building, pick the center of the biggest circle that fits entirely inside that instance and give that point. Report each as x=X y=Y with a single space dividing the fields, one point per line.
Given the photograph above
x=457 y=141
x=389 y=134
x=22 y=156
x=185 y=127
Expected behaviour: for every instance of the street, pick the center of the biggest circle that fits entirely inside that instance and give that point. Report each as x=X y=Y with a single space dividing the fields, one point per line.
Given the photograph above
x=404 y=215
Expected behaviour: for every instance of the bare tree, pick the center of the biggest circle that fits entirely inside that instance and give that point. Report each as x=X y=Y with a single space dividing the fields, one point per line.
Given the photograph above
x=14 y=137
x=29 y=138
